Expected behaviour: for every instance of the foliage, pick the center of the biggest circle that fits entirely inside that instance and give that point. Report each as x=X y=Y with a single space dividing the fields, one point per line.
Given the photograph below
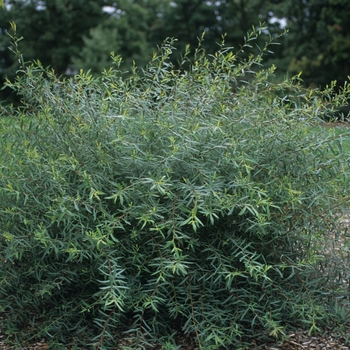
x=133 y=30
x=53 y=30
x=172 y=201
x=98 y=47
x=75 y=34
x=318 y=40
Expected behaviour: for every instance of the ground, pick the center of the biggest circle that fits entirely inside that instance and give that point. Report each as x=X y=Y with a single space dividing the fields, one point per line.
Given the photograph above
x=298 y=340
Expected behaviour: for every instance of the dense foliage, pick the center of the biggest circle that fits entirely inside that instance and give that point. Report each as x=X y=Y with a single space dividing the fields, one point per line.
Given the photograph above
x=172 y=201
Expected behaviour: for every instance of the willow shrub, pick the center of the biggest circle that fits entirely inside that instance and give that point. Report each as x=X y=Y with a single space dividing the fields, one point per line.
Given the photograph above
x=170 y=201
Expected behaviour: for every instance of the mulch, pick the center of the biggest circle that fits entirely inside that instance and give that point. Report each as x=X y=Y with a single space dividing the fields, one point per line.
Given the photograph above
x=298 y=340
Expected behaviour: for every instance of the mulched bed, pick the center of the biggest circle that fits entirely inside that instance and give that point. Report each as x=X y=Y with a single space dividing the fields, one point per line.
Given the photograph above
x=298 y=340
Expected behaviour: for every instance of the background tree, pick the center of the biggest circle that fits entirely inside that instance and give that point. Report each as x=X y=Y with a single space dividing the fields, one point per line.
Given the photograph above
x=187 y=20
x=53 y=30
x=236 y=18
x=133 y=30
x=96 y=52
x=318 y=42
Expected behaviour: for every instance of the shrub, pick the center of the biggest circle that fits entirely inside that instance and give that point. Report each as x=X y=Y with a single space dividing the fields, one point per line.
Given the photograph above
x=169 y=201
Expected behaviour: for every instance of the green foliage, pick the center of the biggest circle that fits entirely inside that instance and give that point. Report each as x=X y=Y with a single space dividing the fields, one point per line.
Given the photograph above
x=98 y=46
x=53 y=31
x=318 y=40
x=188 y=19
x=129 y=32
x=172 y=201
x=70 y=35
